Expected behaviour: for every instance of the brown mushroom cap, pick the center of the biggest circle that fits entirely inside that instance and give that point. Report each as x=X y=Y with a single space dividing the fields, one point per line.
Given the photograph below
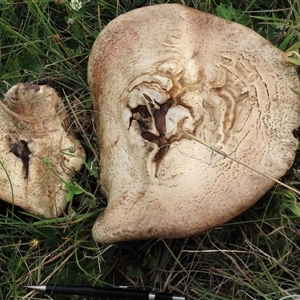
x=157 y=71
x=38 y=152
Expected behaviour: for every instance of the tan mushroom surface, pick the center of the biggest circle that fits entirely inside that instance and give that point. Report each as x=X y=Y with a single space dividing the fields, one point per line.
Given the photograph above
x=162 y=70
x=38 y=151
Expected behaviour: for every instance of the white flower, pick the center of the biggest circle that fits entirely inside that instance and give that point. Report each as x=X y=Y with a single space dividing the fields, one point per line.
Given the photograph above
x=76 y=4
x=70 y=21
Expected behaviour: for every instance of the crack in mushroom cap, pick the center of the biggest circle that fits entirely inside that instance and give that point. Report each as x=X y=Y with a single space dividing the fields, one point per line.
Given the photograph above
x=160 y=70
x=34 y=131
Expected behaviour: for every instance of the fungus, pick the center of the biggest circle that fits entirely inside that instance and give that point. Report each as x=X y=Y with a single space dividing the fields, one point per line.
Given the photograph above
x=161 y=72
x=39 y=152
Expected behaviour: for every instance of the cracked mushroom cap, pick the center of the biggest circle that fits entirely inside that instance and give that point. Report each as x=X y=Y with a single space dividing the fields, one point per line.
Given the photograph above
x=38 y=151
x=161 y=71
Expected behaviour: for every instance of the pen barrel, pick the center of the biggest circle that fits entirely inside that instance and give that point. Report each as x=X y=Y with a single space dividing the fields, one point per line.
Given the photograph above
x=109 y=293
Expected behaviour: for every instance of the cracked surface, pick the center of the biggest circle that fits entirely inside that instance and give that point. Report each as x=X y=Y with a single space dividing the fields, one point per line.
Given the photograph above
x=20 y=149
x=160 y=124
x=193 y=72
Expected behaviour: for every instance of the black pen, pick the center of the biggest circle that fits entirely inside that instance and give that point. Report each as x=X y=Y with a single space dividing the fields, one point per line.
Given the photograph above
x=111 y=293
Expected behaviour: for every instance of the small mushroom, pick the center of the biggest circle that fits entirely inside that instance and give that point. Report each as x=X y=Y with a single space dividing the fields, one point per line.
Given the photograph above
x=38 y=151
x=161 y=72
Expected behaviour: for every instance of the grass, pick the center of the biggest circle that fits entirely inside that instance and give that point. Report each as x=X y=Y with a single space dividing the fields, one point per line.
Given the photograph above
x=254 y=256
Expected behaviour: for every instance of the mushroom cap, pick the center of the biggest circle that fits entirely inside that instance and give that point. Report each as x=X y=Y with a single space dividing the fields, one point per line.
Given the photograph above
x=39 y=152
x=159 y=71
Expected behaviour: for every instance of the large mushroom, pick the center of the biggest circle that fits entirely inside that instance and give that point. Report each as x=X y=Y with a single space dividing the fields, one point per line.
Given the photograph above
x=38 y=151
x=160 y=73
